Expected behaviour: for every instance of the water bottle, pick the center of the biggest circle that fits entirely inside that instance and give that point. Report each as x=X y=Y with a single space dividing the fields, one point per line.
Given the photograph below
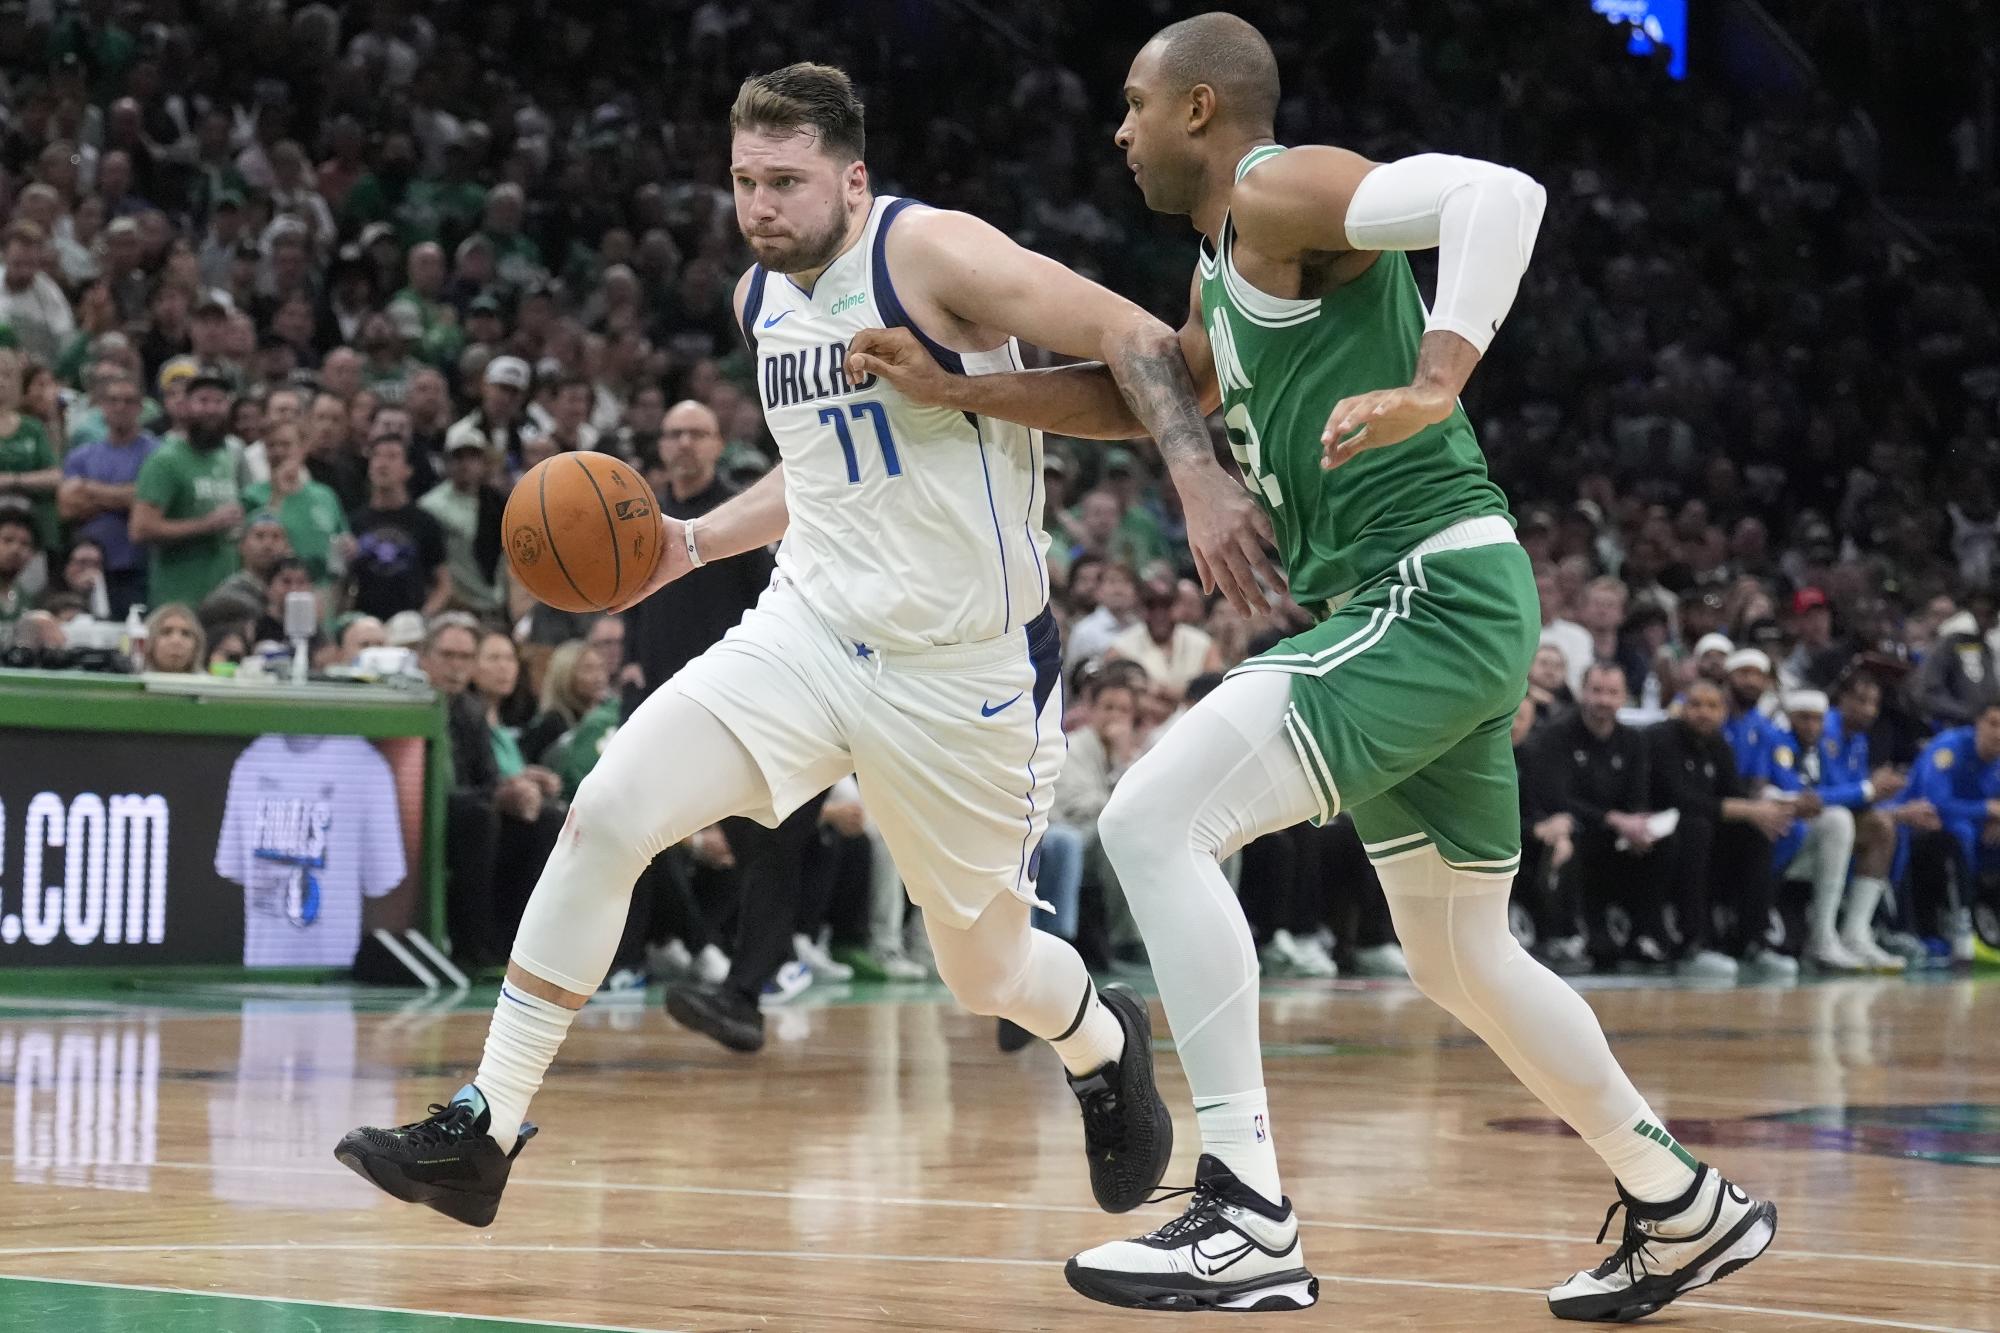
x=135 y=638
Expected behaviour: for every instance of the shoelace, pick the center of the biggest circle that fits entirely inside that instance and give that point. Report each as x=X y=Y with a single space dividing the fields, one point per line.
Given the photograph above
x=1631 y=1252
x=1206 y=1199
x=447 y=1124
x=1103 y=1126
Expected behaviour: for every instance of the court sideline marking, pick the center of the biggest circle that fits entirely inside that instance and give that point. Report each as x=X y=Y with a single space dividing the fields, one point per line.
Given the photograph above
x=1867 y=1321
x=894 y=1201
x=502 y=1320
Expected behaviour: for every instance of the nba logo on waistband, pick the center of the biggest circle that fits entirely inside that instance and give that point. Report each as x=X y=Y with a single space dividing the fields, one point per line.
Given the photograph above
x=1261 y=1133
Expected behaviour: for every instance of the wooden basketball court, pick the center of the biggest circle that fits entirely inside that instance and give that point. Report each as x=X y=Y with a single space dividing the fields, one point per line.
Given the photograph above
x=882 y=1166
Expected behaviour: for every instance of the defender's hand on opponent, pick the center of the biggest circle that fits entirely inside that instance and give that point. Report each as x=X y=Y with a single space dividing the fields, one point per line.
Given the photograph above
x=1228 y=534
x=896 y=357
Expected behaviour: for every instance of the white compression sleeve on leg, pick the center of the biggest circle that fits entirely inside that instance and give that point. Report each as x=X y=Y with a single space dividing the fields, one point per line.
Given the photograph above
x=1223 y=775
x=1453 y=929
x=630 y=809
x=1482 y=218
x=1001 y=965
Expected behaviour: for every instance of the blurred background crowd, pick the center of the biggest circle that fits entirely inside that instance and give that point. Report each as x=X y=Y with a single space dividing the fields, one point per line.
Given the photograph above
x=292 y=293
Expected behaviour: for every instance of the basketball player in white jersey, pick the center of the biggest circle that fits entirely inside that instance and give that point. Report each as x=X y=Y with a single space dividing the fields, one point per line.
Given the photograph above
x=906 y=638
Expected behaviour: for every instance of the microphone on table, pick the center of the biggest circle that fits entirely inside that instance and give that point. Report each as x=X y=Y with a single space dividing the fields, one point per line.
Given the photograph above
x=301 y=620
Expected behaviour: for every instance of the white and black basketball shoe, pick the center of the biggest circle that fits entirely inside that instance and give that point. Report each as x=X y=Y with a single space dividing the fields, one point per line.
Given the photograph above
x=1231 y=1250
x=1668 y=1250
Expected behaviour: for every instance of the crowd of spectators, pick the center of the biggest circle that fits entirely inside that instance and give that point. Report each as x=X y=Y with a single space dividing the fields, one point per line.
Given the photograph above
x=292 y=294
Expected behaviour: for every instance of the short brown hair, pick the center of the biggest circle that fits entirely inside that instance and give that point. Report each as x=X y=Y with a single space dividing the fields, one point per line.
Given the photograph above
x=802 y=96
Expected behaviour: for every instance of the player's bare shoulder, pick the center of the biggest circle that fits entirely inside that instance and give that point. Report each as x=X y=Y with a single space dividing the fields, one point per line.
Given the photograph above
x=940 y=258
x=1288 y=214
x=928 y=243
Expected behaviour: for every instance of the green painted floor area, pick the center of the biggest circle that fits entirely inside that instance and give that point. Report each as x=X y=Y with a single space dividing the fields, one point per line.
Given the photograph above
x=70 y=1307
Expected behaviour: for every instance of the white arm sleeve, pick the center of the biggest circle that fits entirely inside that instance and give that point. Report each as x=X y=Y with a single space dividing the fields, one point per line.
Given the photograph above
x=1482 y=218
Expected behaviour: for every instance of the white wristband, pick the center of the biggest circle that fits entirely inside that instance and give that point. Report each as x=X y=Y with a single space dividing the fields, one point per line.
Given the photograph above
x=694 y=553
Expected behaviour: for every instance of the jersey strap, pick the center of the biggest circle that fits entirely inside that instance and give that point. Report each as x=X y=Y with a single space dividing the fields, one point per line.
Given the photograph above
x=753 y=302
x=885 y=293
x=1261 y=153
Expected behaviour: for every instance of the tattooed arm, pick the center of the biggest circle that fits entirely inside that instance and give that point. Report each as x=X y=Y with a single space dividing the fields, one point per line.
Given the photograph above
x=973 y=281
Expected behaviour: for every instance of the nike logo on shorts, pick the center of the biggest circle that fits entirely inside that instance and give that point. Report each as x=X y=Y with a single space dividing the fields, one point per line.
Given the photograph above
x=988 y=710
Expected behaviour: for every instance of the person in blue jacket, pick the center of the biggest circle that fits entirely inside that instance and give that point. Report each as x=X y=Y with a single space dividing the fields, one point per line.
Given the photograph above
x=1753 y=736
x=1821 y=765
x=1958 y=774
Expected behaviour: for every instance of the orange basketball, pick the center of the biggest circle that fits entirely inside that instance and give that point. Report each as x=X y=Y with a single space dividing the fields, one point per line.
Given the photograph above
x=582 y=531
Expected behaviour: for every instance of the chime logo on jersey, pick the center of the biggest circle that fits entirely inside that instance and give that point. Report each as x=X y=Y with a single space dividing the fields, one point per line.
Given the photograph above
x=293 y=833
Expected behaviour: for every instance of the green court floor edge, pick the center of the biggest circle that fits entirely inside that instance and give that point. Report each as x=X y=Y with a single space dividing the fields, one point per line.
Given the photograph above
x=61 y=1306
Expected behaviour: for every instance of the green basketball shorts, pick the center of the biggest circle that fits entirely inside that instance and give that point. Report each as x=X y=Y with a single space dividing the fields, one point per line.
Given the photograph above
x=1403 y=699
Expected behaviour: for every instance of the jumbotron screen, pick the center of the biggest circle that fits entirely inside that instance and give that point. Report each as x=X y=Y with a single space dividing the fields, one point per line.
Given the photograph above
x=1653 y=23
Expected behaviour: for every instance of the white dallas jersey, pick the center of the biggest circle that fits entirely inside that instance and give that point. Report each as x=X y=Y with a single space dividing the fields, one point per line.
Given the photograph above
x=911 y=526
x=309 y=829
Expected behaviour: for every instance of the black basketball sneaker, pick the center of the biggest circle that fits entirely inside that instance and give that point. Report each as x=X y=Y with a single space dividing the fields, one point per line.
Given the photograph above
x=1668 y=1250
x=447 y=1161
x=1232 y=1249
x=1128 y=1133
x=718 y=1013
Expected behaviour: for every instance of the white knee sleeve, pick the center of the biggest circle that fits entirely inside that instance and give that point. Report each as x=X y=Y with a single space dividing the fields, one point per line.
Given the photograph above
x=1446 y=935
x=1225 y=775
x=1002 y=966
x=626 y=812
x=1453 y=929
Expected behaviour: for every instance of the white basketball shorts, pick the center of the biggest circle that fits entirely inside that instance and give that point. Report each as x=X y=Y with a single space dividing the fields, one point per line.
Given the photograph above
x=956 y=749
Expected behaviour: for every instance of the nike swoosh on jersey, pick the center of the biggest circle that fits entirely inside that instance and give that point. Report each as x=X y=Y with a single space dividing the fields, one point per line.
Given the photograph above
x=988 y=710
x=775 y=318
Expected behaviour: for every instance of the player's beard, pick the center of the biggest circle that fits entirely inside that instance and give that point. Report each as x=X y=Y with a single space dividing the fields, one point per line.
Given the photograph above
x=810 y=250
x=1171 y=187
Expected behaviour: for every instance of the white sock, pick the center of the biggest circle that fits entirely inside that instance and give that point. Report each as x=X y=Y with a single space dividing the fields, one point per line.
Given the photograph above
x=520 y=1046
x=1094 y=1040
x=1237 y=1129
x=1646 y=1159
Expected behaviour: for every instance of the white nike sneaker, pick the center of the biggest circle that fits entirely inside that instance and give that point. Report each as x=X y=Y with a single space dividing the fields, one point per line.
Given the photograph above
x=786 y=984
x=1830 y=954
x=1314 y=959
x=1231 y=1250
x=1873 y=956
x=1381 y=960
x=1668 y=1250
x=813 y=954
x=1289 y=955
x=901 y=967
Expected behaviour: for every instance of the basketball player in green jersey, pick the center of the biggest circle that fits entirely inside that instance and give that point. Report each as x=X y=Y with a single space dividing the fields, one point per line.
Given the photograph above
x=1339 y=392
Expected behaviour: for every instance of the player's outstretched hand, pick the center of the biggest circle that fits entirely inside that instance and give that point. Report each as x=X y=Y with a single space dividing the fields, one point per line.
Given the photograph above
x=1230 y=537
x=896 y=356
x=1371 y=420
x=672 y=563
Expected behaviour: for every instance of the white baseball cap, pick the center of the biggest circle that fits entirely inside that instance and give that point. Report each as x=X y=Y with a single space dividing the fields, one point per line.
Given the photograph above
x=511 y=371
x=1713 y=643
x=1806 y=701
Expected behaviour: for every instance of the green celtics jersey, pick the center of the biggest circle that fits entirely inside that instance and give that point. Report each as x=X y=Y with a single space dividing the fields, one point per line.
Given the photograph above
x=1282 y=365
